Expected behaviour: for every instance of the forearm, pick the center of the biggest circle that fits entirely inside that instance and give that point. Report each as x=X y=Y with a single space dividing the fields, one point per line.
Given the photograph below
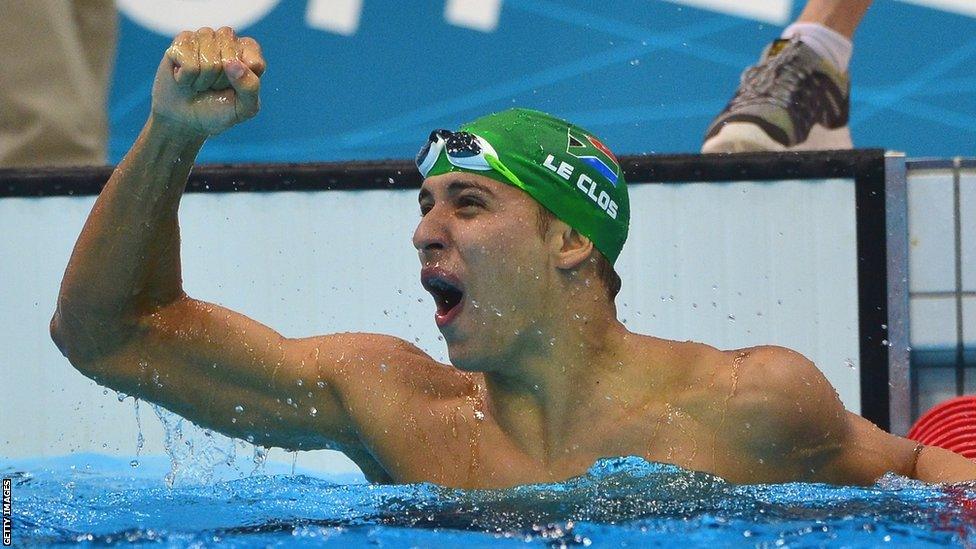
x=127 y=257
x=939 y=465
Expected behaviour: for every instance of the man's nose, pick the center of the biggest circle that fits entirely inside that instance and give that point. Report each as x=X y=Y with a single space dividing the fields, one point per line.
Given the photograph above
x=430 y=237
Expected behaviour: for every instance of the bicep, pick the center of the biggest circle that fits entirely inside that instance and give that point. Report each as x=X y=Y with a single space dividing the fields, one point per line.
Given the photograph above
x=227 y=372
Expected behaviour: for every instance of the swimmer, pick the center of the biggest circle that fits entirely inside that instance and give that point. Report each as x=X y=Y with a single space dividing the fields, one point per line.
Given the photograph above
x=523 y=216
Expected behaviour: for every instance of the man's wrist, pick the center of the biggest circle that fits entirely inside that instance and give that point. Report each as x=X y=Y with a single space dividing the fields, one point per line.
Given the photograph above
x=160 y=126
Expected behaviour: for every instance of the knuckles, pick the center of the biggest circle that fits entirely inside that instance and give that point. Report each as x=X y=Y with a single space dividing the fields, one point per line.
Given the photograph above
x=190 y=49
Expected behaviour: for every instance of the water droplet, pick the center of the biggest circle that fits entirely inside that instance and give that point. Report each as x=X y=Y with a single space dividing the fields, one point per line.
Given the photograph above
x=479 y=415
x=239 y=409
x=312 y=411
x=732 y=317
x=134 y=463
x=849 y=363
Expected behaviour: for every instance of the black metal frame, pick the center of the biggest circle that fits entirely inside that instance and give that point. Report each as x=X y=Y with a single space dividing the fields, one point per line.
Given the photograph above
x=866 y=167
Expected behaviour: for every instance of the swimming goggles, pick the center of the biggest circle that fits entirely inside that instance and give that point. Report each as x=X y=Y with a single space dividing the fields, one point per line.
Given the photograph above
x=464 y=150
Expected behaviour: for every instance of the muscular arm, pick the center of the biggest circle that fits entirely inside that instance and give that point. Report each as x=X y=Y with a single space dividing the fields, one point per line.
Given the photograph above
x=803 y=428
x=126 y=261
x=124 y=320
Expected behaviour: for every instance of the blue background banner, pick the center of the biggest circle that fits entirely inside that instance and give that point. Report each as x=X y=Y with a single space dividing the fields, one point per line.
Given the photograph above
x=369 y=79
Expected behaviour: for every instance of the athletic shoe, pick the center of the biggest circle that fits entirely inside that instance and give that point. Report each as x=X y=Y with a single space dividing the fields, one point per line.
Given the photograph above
x=793 y=99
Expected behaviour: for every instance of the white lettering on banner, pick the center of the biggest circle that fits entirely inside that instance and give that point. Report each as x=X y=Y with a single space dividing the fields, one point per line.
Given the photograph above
x=479 y=15
x=778 y=11
x=962 y=7
x=335 y=16
x=769 y=11
x=168 y=17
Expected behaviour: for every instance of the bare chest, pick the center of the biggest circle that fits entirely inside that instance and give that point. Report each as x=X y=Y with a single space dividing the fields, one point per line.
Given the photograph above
x=463 y=446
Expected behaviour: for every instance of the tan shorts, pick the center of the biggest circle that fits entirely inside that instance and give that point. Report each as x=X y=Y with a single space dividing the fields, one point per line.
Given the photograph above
x=56 y=61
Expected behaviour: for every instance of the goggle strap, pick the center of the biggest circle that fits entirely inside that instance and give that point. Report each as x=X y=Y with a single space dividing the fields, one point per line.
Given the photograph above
x=497 y=165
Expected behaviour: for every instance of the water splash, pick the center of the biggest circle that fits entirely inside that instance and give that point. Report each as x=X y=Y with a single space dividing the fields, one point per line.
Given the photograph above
x=619 y=501
x=195 y=453
x=140 y=438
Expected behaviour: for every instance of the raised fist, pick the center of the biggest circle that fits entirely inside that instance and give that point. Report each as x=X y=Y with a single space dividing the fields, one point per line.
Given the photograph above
x=208 y=81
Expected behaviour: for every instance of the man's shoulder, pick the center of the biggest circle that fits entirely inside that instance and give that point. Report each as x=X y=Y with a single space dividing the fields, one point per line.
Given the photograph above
x=769 y=376
x=772 y=368
x=782 y=399
x=363 y=360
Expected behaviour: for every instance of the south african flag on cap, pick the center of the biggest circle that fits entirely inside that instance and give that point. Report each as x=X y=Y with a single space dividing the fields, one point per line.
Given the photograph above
x=594 y=153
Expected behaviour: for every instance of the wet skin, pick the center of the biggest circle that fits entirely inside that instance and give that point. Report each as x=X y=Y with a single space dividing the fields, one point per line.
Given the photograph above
x=543 y=378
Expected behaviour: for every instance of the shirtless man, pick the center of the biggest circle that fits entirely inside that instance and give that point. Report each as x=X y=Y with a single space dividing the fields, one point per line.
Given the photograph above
x=544 y=379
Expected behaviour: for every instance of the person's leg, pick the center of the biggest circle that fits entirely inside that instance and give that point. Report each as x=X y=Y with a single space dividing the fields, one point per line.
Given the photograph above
x=842 y=16
x=805 y=107
x=828 y=27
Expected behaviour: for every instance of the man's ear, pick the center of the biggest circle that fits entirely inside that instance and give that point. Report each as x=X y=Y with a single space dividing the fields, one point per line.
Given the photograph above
x=575 y=249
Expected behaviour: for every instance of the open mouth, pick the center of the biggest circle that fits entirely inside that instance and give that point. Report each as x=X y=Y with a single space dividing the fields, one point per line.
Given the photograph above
x=447 y=294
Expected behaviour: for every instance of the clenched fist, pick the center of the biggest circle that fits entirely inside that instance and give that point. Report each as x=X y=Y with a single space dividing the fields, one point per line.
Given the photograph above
x=208 y=81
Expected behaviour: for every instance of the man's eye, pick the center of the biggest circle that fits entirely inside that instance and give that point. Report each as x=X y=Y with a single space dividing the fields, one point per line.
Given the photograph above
x=466 y=201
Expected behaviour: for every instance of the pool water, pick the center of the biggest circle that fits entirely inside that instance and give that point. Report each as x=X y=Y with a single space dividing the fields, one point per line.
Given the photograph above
x=99 y=500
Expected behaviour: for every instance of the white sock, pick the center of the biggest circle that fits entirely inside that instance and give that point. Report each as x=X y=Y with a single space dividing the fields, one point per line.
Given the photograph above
x=828 y=43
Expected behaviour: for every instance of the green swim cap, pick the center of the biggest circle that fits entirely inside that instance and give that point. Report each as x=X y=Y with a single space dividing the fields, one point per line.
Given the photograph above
x=562 y=166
